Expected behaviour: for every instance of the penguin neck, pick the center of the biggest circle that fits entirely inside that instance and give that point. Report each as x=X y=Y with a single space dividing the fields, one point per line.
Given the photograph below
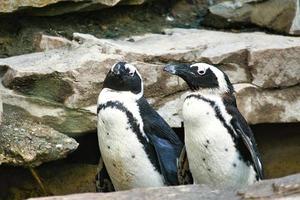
x=110 y=94
x=211 y=92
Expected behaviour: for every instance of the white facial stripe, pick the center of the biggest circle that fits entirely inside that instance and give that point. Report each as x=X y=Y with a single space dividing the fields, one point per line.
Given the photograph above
x=220 y=76
x=201 y=66
x=112 y=68
x=131 y=68
x=142 y=85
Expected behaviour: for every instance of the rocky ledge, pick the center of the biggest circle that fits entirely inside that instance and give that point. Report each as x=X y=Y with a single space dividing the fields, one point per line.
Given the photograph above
x=277 y=15
x=283 y=188
x=58 y=7
x=58 y=87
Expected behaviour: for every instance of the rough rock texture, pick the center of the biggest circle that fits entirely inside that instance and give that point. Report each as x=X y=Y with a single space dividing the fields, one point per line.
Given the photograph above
x=281 y=16
x=48 y=42
x=61 y=85
x=1 y=109
x=269 y=105
x=27 y=142
x=283 y=188
x=57 y=7
x=63 y=119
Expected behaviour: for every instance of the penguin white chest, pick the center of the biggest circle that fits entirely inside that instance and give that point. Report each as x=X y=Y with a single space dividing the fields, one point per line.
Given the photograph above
x=213 y=157
x=123 y=153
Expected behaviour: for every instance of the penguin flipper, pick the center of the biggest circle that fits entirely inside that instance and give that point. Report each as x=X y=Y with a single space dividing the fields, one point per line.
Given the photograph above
x=183 y=170
x=103 y=181
x=166 y=143
x=166 y=155
x=241 y=127
x=247 y=141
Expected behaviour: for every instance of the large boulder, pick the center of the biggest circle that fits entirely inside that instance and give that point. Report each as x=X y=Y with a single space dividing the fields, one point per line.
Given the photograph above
x=60 y=86
x=57 y=7
x=27 y=142
x=24 y=139
x=278 y=15
x=286 y=188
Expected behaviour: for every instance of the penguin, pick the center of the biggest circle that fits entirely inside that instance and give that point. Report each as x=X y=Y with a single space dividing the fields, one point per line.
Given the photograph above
x=220 y=146
x=102 y=179
x=138 y=147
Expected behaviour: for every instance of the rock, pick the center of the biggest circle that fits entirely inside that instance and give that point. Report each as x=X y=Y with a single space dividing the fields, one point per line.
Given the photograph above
x=263 y=62
x=231 y=50
x=281 y=16
x=1 y=109
x=27 y=142
x=60 y=86
x=269 y=106
x=282 y=188
x=63 y=119
x=58 y=7
x=67 y=76
x=47 y=42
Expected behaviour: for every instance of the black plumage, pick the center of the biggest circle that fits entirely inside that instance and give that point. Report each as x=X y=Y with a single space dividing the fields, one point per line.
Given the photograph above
x=165 y=141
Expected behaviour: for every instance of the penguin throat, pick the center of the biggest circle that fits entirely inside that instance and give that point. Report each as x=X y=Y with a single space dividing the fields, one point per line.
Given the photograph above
x=211 y=91
x=127 y=94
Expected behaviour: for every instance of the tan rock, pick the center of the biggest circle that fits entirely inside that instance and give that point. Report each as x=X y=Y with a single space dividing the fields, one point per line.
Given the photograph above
x=237 y=53
x=9 y=6
x=60 y=86
x=26 y=142
x=281 y=16
x=47 y=42
x=73 y=122
x=269 y=106
x=275 y=67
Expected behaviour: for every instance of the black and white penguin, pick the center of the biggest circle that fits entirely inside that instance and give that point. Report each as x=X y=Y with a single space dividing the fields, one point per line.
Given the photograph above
x=138 y=147
x=220 y=146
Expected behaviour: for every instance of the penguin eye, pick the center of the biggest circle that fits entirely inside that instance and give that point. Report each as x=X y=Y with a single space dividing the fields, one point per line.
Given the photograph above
x=201 y=72
x=131 y=73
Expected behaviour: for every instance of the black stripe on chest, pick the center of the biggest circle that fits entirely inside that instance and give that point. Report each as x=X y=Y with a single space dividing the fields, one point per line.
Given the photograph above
x=239 y=145
x=135 y=127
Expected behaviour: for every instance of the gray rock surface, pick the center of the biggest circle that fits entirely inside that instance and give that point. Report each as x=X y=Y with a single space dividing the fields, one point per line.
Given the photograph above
x=61 y=6
x=287 y=188
x=48 y=42
x=27 y=142
x=60 y=86
x=269 y=106
x=281 y=16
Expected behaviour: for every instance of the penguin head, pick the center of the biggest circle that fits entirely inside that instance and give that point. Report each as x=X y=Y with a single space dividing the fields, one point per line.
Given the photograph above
x=202 y=76
x=124 y=77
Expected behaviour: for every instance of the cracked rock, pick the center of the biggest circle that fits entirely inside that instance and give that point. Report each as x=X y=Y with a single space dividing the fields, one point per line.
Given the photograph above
x=60 y=86
x=25 y=141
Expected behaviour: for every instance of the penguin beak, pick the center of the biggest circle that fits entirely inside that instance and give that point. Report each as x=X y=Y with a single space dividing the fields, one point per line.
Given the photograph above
x=177 y=69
